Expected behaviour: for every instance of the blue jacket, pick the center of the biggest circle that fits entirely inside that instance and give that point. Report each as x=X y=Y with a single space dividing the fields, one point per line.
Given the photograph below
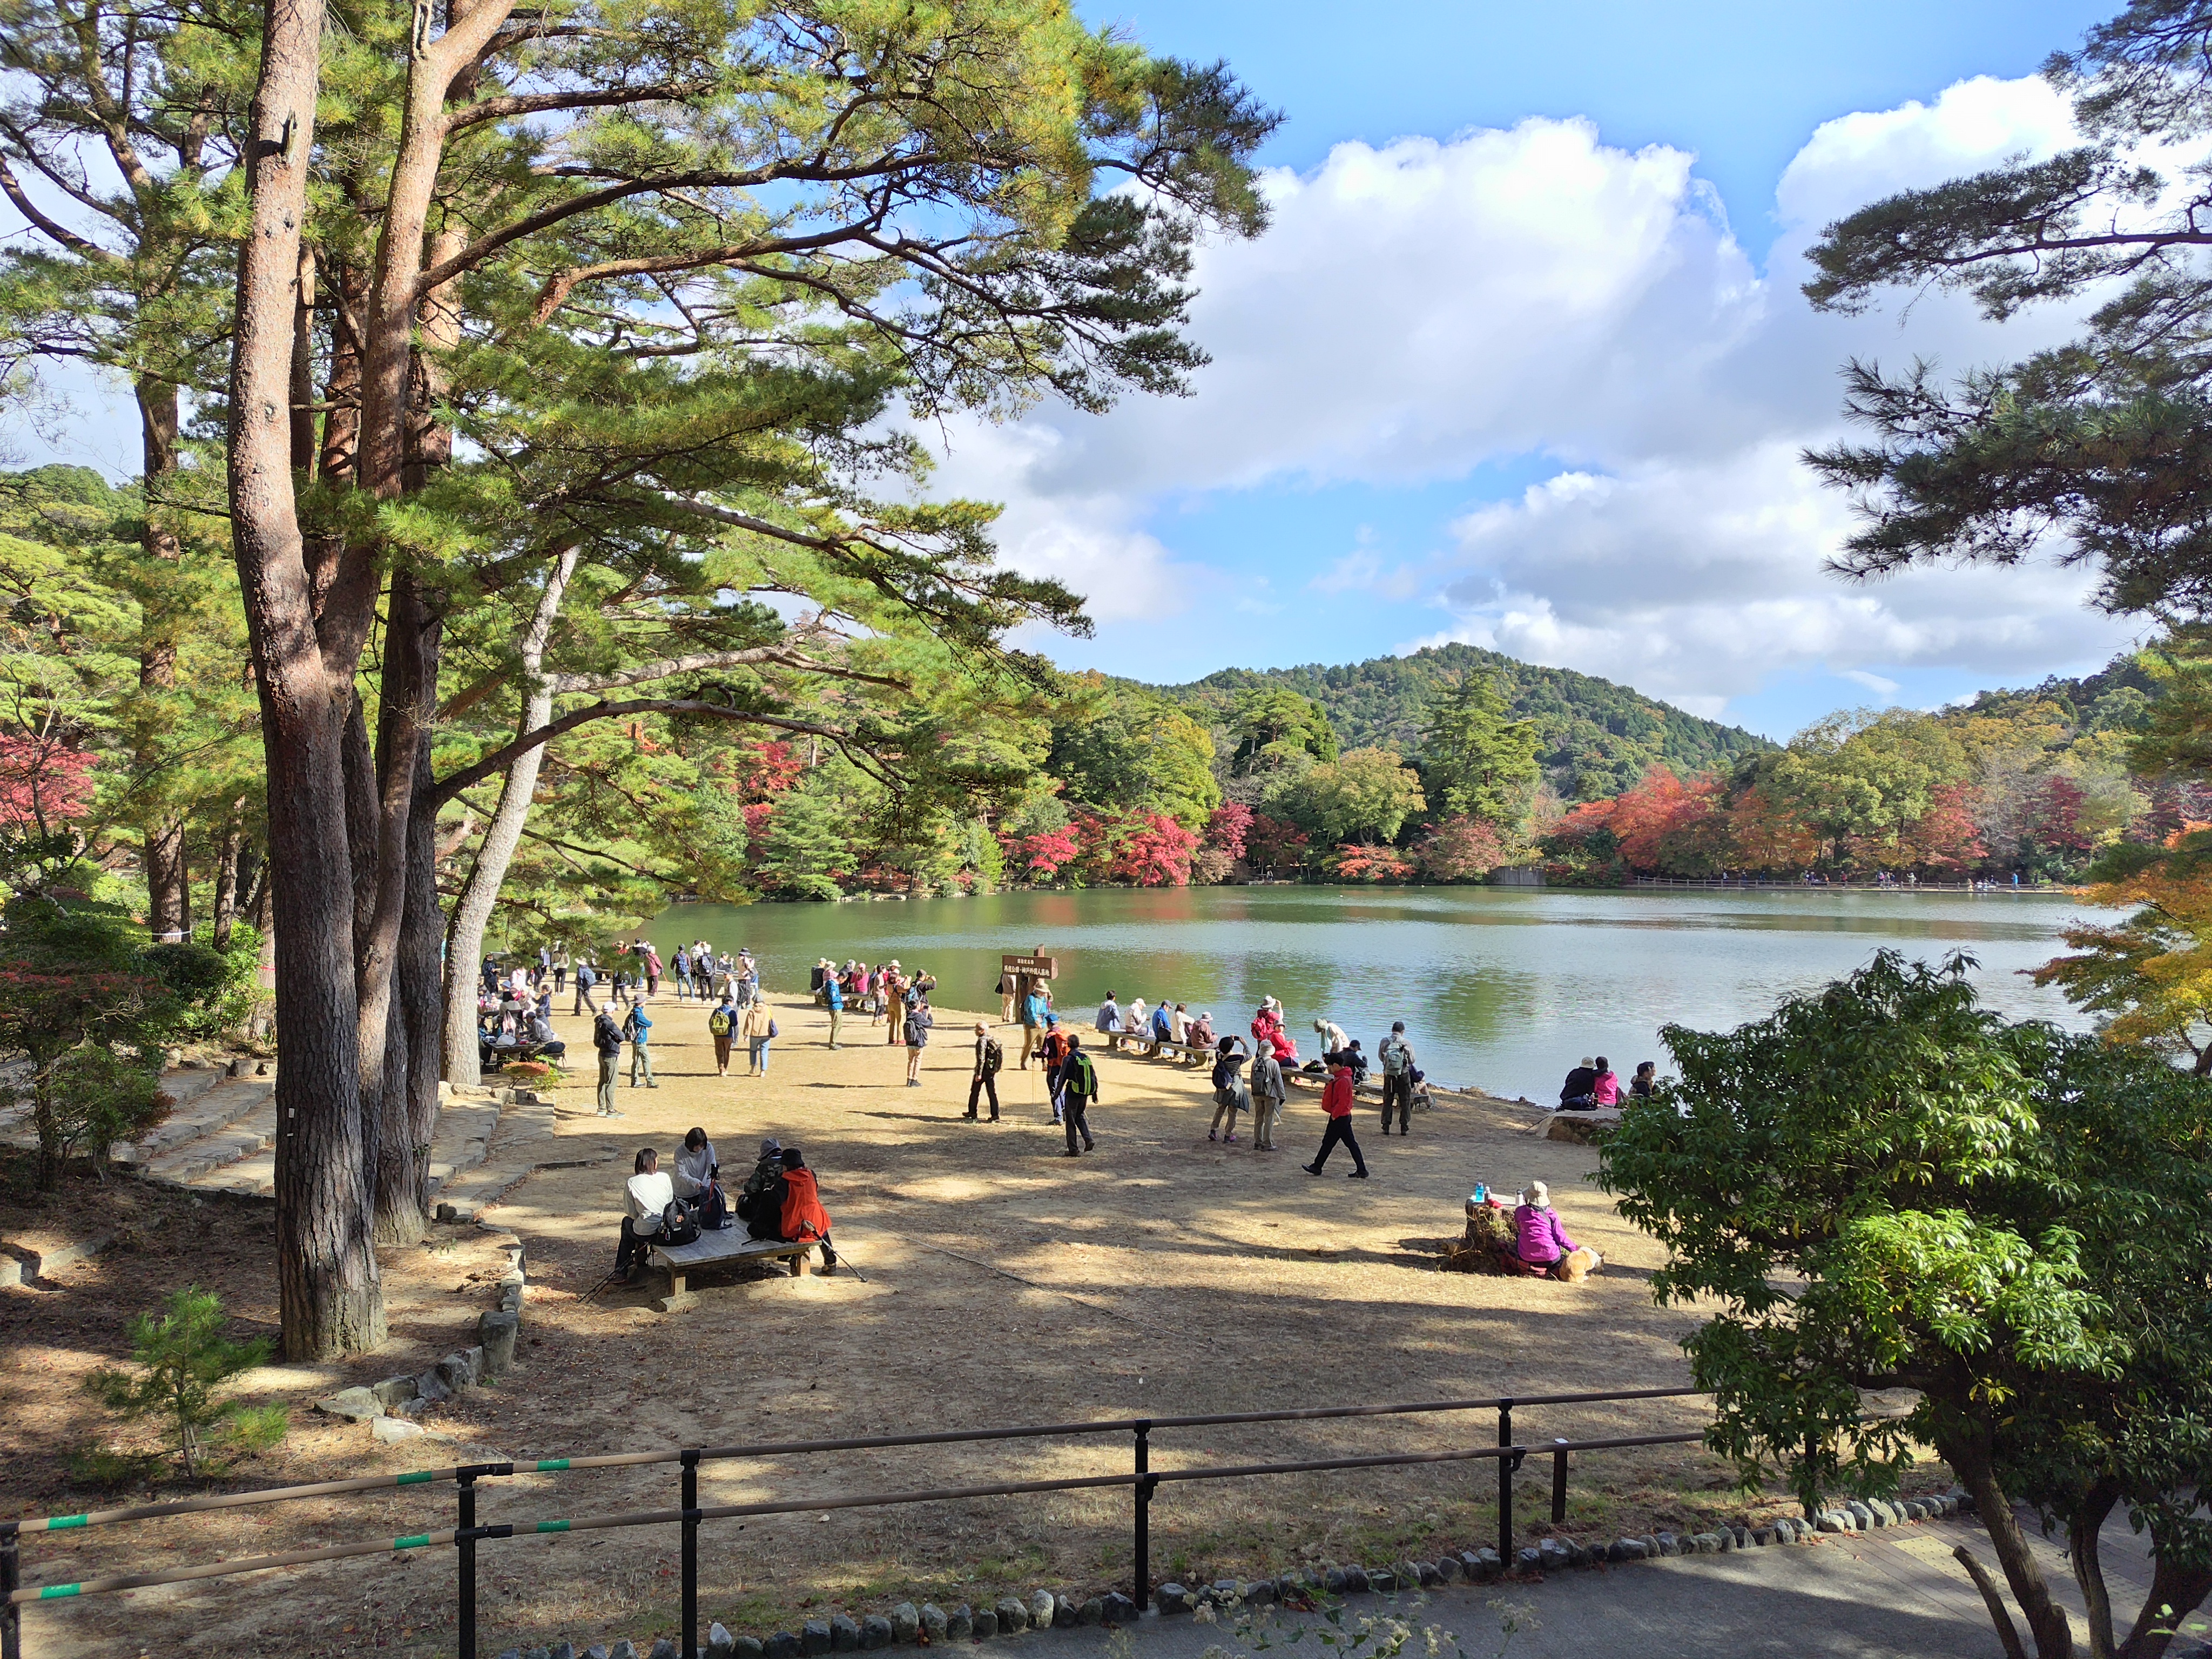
x=834 y=992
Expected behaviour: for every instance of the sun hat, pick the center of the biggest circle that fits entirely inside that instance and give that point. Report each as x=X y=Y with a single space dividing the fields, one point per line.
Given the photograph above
x=1537 y=1196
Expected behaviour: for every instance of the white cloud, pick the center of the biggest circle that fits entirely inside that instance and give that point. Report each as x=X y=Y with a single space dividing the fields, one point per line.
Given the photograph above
x=1422 y=308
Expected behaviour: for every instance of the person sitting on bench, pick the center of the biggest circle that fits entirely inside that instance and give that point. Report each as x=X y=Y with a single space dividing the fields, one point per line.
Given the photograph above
x=1574 y=1092
x=648 y=1194
x=804 y=1218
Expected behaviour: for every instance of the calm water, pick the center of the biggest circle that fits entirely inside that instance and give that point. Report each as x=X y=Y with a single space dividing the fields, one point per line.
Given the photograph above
x=1500 y=988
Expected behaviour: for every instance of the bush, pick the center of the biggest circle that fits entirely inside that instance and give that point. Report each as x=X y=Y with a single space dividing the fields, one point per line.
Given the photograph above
x=98 y=1097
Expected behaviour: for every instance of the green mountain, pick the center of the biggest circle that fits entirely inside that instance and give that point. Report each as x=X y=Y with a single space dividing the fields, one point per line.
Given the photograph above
x=1598 y=738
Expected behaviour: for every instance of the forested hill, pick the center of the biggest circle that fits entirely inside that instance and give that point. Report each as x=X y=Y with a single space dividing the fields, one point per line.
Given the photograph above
x=1599 y=738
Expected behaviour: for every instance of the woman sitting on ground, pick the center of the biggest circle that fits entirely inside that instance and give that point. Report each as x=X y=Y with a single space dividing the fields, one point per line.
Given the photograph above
x=1539 y=1241
x=1646 y=1080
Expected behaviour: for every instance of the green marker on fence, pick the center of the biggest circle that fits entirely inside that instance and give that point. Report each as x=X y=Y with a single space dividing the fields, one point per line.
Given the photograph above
x=552 y=1526
x=55 y=1592
x=552 y=1465
x=61 y=1522
x=415 y=1479
x=420 y=1541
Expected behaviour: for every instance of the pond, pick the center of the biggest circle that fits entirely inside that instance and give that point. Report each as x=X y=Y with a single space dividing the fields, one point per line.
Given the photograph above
x=1501 y=988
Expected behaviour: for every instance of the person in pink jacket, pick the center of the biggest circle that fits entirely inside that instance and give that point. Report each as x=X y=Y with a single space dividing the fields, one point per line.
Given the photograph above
x=1606 y=1090
x=1538 y=1239
x=1268 y=1028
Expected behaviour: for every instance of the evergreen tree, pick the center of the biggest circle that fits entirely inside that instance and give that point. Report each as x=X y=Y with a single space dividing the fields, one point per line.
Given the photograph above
x=1475 y=761
x=806 y=846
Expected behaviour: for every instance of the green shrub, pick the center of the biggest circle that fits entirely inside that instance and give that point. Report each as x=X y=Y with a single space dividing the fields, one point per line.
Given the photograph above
x=183 y=1358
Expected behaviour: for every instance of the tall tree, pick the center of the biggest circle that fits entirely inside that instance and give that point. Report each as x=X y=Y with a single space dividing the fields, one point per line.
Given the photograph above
x=1475 y=763
x=606 y=202
x=113 y=151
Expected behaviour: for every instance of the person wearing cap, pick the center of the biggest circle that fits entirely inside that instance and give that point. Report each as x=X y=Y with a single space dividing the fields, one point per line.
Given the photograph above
x=915 y=1032
x=1574 y=1092
x=818 y=975
x=833 y=994
x=1538 y=1240
x=989 y=1057
x=1336 y=1101
x=760 y=1201
x=1052 y=1052
x=894 y=1004
x=1037 y=1014
x=1397 y=1057
x=1332 y=1036
x=1078 y=1089
x=1201 y=1034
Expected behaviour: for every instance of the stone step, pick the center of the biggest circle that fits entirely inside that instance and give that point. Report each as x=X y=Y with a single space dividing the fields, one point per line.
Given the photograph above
x=465 y=1128
x=213 y=1106
x=251 y=1176
x=254 y=1132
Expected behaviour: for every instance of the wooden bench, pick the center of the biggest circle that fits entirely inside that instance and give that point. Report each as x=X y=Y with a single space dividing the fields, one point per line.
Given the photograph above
x=724 y=1244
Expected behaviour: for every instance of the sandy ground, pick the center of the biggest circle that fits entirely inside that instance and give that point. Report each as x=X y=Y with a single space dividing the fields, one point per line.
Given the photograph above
x=998 y=1282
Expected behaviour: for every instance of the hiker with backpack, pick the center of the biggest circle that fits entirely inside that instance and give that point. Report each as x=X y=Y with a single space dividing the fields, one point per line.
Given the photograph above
x=638 y=1028
x=1268 y=1090
x=760 y=1201
x=1229 y=1095
x=1397 y=1075
x=989 y=1057
x=916 y=1027
x=646 y=1200
x=586 y=977
x=607 y=1038
x=1055 y=1048
x=1079 y=1089
x=757 y=1027
x=720 y=1024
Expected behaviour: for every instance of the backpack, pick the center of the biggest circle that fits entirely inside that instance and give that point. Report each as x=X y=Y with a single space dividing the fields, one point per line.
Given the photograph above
x=1222 y=1073
x=713 y=1208
x=719 y=1022
x=994 y=1056
x=679 y=1223
x=1085 y=1084
x=629 y=1025
x=586 y=977
x=772 y=1034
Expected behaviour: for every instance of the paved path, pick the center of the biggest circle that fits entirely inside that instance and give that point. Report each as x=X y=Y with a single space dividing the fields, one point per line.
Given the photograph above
x=1892 y=1593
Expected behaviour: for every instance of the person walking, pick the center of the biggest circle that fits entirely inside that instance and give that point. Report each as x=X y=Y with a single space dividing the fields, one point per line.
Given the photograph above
x=607 y=1038
x=561 y=972
x=638 y=1028
x=683 y=965
x=989 y=1057
x=1336 y=1101
x=1009 y=987
x=1034 y=1012
x=1397 y=1057
x=758 y=1026
x=586 y=977
x=1078 y=1091
x=1268 y=1092
x=833 y=994
x=720 y=1024
x=1229 y=1097
x=1054 y=1052
x=915 y=1030
x=651 y=968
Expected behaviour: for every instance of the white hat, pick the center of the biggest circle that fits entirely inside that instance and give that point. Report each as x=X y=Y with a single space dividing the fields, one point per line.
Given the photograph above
x=1537 y=1196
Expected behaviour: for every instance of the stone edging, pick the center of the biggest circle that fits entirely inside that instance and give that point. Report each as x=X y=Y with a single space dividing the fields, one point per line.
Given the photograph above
x=22 y=1265
x=1042 y=1609
x=390 y=1407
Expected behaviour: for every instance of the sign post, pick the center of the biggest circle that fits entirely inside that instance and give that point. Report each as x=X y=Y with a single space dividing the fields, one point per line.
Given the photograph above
x=1039 y=966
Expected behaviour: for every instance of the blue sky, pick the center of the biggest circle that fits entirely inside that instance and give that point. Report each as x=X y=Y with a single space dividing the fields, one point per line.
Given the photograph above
x=1627 y=504
x=1522 y=360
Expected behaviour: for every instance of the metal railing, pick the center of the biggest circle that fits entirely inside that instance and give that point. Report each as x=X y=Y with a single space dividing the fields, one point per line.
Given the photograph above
x=1143 y=1480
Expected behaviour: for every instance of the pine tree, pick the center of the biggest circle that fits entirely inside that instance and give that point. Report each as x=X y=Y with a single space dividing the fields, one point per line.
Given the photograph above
x=1475 y=763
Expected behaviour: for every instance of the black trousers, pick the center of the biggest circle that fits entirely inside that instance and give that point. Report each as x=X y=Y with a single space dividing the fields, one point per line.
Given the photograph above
x=632 y=1248
x=985 y=1083
x=1340 y=1129
x=1072 y=1109
x=1398 y=1090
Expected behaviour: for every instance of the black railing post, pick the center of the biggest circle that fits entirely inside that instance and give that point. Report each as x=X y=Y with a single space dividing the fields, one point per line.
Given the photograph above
x=1506 y=1484
x=1141 y=1553
x=1559 y=1482
x=691 y=1555
x=465 y=1548
x=1811 y=1468
x=11 y=1580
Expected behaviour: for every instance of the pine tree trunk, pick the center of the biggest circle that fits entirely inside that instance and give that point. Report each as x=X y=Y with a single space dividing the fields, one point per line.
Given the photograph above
x=168 y=888
x=227 y=873
x=405 y=1215
x=330 y=1297
x=502 y=835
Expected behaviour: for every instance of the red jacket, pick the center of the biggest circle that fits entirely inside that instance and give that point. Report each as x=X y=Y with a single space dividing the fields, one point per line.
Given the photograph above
x=803 y=1214
x=1336 y=1094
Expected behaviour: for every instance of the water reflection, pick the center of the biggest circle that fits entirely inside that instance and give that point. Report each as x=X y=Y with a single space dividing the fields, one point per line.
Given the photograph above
x=1504 y=989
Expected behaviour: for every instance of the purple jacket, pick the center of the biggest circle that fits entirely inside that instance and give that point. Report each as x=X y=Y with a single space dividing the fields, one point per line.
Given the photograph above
x=1539 y=1235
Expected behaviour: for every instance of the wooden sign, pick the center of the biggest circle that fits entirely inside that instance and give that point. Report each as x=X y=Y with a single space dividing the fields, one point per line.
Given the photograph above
x=1035 y=966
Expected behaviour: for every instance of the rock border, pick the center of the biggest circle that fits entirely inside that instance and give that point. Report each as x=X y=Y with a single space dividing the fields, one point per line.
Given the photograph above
x=391 y=1406
x=1042 y=1609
